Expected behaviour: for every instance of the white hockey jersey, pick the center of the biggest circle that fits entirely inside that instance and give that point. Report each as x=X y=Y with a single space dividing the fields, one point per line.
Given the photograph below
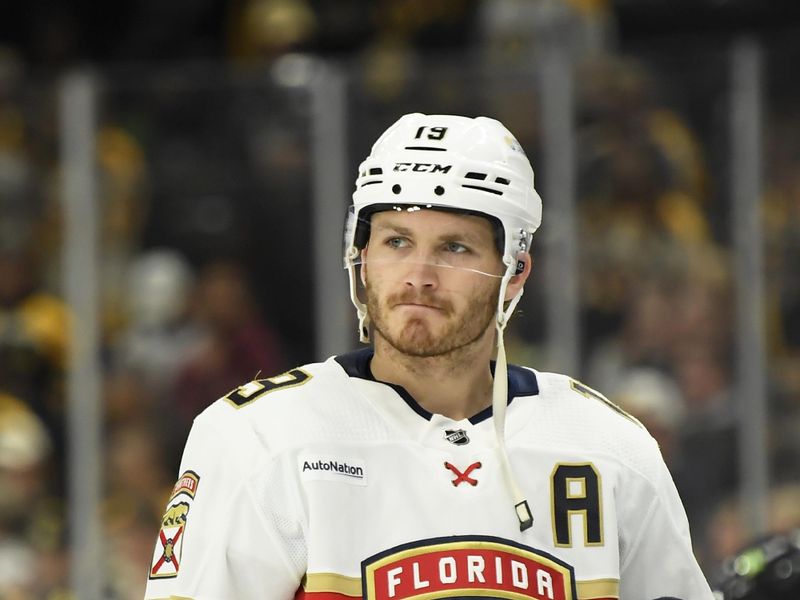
x=323 y=484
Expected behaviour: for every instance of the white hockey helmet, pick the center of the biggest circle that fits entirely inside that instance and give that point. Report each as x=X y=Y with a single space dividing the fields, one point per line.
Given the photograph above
x=449 y=162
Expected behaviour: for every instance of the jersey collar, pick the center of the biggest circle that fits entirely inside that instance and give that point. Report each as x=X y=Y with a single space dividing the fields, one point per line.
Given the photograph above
x=521 y=382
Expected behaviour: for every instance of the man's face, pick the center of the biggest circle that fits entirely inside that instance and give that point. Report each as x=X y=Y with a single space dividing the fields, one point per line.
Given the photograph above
x=432 y=279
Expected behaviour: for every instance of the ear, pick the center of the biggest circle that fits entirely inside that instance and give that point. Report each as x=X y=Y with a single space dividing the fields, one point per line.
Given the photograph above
x=517 y=281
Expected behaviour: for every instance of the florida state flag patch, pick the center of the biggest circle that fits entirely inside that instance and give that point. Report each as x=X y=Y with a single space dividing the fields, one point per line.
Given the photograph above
x=169 y=545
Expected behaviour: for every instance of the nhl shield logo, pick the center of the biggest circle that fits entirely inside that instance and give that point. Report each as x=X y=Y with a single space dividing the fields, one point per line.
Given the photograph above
x=458 y=437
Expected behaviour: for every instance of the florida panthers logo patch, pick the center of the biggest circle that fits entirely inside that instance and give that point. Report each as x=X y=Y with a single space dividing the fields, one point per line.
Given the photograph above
x=169 y=545
x=466 y=566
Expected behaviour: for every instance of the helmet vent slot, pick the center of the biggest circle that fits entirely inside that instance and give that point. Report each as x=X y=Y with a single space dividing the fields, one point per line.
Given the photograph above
x=376 y=171
x=426 y=148
x=502 y=180
x=482 y=189
x=474 y=175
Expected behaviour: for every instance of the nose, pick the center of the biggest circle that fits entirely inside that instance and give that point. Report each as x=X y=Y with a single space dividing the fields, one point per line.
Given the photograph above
x=421 y=273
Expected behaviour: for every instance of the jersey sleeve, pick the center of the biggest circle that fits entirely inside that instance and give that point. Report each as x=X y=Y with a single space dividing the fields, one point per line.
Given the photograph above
x=657 y=560
x=222 y=536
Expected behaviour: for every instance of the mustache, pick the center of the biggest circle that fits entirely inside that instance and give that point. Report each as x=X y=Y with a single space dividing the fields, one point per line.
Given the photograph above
x=416 y=297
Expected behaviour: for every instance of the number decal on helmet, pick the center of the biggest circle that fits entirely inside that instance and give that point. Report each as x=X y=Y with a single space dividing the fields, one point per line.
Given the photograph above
x=435 y=133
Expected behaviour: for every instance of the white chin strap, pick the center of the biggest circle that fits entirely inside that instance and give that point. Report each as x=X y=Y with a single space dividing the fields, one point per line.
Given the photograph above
x=361 y=308
x=500 y=402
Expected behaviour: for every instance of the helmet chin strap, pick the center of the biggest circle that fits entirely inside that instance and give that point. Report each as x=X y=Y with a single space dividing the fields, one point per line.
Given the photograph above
x=500 y=400
x=361 y=308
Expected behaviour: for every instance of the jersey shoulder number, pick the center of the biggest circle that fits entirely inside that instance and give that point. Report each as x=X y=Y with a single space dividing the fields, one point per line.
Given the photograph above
x=258 y=388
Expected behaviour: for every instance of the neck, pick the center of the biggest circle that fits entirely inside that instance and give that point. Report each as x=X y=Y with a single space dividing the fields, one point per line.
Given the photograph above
x=457 y=385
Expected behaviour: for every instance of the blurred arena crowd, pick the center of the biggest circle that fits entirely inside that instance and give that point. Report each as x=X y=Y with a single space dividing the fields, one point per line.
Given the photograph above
x=204 y=190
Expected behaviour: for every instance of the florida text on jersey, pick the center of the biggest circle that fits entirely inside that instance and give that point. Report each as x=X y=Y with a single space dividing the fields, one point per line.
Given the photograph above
x=324 y=484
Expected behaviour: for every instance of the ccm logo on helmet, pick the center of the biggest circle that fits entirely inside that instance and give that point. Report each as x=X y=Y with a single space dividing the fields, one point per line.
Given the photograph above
x=421 y=167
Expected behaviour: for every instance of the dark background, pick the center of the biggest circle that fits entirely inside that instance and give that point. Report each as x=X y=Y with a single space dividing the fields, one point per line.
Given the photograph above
x=50 y=33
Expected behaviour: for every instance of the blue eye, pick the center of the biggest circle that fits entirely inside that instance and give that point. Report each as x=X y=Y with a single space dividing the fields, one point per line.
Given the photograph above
x=396 y=242
x=456 y=248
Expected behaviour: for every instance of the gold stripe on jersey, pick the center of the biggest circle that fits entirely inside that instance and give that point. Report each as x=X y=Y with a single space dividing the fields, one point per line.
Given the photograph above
x=332 y=583
x=587 y=392
x=595 y=589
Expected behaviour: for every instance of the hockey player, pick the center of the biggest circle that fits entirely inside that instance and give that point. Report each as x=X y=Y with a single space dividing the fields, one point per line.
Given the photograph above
x=424 y=466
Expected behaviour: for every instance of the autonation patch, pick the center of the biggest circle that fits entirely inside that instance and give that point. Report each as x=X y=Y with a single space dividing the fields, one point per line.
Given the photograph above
x=333 y=468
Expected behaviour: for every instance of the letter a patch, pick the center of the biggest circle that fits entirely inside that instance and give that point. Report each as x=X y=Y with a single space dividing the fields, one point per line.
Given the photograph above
x=169 y=545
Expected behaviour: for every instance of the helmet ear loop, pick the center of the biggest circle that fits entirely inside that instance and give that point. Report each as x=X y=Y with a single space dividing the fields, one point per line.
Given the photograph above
x=362 y=268
x=364 y=321
x=518 y=274
x=361 y=308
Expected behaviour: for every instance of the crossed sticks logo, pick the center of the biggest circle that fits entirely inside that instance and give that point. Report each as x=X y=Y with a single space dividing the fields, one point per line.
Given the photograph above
x=463 y=477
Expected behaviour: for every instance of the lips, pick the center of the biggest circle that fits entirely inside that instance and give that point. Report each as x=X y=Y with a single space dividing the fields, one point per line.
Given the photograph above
x=418 y=305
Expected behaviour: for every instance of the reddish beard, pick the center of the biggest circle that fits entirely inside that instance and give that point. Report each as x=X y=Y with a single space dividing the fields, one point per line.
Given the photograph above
x=415 y=336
